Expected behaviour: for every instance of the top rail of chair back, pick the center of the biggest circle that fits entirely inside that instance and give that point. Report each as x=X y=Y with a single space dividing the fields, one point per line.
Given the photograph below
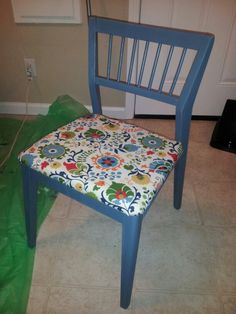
x=165 y=35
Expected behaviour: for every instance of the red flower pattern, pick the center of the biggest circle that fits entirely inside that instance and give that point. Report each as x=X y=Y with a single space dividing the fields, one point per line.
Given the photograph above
x=44 y=164
x=70 y=166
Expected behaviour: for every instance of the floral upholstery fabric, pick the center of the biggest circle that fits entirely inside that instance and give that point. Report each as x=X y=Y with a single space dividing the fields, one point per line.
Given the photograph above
x=119 y=164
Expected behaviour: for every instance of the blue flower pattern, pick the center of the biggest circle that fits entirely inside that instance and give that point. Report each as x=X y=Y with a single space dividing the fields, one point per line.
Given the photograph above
x=119 y=164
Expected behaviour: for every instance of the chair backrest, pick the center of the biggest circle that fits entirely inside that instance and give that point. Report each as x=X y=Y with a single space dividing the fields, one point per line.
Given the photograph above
x=178 y=59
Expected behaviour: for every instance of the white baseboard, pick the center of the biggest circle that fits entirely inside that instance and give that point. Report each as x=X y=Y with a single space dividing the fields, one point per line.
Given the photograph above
x=42 y=108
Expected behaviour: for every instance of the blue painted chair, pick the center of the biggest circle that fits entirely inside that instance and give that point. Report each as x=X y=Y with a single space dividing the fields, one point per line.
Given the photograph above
x=114 y=167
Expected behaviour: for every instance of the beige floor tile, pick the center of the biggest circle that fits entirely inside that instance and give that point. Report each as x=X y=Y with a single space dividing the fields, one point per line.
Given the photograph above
x=84 y=301
x=201 y=131
x=217 y=202
x=162 y=210
x=157 y=303
x=50 y=231
x=89 y=254
x=43 y=266
x=60 y=208
x=46 y=250
x=209 y=164
x=78 y=211
x=38 y=300
x=229 y=304
x=175 y=258
x=222 y=242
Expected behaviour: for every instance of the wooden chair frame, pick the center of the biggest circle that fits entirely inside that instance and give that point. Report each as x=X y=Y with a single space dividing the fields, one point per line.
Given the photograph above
x=199 y=42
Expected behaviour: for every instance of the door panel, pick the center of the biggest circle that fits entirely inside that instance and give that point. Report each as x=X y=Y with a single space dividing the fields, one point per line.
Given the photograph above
x=214 y=16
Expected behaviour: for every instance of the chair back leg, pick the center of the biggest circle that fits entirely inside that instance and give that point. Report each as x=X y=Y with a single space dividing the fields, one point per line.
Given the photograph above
x=182 y=129
x=30 y=187
x=179 y=181
x=131 y=228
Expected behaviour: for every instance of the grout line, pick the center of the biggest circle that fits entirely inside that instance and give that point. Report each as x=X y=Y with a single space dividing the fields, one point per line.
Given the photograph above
x=198 y=206
x=158 y=290
x=179 y=292
x=81 y=286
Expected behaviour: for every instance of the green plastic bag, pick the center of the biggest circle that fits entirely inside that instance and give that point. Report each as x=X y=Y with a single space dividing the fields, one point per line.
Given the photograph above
x=16 y=259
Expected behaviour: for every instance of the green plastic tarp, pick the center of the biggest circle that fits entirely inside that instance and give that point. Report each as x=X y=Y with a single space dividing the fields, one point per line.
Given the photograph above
x=16 y=259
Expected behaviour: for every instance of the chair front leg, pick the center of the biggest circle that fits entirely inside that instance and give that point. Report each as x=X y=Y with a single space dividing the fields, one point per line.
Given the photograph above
x=131 y=229
x=30 y=187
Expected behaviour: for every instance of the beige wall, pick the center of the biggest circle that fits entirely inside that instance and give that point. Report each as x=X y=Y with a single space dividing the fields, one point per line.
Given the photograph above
x=60 y=53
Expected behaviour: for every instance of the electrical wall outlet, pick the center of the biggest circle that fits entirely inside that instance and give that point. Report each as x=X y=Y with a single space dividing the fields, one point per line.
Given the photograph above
x=30 y=68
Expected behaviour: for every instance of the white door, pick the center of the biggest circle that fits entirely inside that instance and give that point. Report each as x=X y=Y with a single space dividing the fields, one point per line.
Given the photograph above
x=214 y=16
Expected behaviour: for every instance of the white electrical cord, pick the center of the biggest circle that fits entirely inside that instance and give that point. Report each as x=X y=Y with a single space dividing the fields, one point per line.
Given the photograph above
x=27 y=90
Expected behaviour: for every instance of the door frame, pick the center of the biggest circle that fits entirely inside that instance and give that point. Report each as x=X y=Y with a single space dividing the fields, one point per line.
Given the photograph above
x=133 y=16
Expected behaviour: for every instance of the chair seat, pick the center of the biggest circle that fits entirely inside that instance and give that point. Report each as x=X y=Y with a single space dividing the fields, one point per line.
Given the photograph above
x=119 y=164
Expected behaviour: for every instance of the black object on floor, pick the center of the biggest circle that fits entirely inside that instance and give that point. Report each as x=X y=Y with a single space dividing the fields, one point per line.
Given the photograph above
x=224 y=134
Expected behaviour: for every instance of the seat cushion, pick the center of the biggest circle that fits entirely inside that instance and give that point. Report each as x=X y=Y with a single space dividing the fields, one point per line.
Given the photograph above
x=119 y=164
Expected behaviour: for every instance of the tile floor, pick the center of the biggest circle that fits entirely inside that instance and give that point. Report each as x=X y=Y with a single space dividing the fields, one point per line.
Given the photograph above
x=187 y=258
